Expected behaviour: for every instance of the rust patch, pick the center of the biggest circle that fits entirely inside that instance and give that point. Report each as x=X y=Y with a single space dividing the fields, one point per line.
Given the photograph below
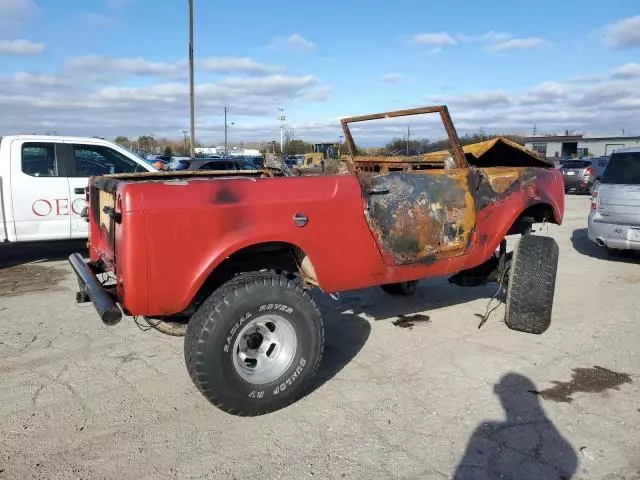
x=587 y=380
x=420 y=218
x=29 y=278
x=501 y=181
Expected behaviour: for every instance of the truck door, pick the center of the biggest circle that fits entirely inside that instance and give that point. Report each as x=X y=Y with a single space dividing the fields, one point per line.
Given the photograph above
x=419 y=209
x=40 y=193
x=87 y=161
x=421 y=216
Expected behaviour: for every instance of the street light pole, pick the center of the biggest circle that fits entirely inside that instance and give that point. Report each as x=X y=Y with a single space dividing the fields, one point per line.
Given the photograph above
x=191 y=87
x=281 y=119
x=184 y=133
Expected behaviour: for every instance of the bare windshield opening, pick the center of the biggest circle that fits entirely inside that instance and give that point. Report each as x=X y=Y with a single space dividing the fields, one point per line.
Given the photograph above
x=623 y=168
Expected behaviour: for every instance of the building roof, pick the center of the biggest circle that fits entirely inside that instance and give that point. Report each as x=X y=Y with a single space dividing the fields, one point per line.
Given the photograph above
x=554 y=138
x=577 y=138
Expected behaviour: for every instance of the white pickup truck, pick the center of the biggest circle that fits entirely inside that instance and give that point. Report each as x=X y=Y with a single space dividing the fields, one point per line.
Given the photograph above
x=43 y=180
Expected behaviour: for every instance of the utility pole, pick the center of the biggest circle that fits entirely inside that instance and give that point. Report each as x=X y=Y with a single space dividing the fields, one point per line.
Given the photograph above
x=226 y=153
x=281 y=119
x=184 y=132
x=191 y=87
x=408 y=135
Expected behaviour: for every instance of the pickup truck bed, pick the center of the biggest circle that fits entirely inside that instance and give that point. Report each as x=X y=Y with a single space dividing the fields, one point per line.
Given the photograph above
x=232 y=255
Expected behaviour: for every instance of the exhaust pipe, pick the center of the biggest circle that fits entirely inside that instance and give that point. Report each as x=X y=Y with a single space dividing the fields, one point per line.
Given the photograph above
x=600 y=242
x=102 y=300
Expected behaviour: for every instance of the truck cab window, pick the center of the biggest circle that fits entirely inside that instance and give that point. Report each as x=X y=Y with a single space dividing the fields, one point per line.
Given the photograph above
x=39 y=160
x=99 y=160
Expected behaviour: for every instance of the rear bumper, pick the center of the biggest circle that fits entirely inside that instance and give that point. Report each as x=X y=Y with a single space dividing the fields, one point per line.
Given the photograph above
x=104 y=303
x=611 y=235
x=576 y=182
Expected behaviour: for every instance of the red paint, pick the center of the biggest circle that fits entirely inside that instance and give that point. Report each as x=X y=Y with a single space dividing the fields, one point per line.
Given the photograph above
x=172 y=237
x=62 y=203
x=41 y=202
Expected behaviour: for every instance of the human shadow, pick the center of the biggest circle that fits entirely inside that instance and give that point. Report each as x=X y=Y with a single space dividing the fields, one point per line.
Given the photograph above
x=582 y=244
x=525 y=446
x=345 y=335
x=431 y=294
x=21 y=253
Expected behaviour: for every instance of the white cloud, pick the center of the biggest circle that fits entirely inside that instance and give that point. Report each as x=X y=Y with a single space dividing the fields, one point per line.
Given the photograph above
x=295 y=43
x=628 y=70
x=546 y=92
x=516 y=44
x=28 y=79
x=490 y=36
x=482 y=99
x=437 y=39
x=392 y=78
x=97 y=65
x=71 y=103
x=20 y=47
x=235 y=64
x=582 y=79
x=623 y=33
x=13 y=12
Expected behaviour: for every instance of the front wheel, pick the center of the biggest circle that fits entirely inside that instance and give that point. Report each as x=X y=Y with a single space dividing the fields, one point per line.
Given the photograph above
x=532 y=282
x=254 y=344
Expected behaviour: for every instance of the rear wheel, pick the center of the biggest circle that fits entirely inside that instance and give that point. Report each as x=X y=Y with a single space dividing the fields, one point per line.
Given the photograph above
x=401 y=288
x=532 y=281
x=254 y=344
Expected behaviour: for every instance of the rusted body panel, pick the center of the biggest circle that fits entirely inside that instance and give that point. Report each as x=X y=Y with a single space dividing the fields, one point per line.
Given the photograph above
x=421 y=218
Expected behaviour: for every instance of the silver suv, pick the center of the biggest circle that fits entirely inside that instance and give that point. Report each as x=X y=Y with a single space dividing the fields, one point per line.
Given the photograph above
x=614 y=220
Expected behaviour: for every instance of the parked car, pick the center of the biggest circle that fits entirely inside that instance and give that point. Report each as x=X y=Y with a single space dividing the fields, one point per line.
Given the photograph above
x=614 y=219
x=43 y=180
x=598 y=165
x=222 y=164
x=577 y=175
x=179 y=163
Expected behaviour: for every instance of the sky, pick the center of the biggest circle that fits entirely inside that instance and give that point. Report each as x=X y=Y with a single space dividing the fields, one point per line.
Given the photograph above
x=119 y=67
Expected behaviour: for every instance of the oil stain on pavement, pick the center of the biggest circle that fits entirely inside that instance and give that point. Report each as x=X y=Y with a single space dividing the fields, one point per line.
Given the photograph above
x=405 y=321
x=587 y=380
x=20 y=279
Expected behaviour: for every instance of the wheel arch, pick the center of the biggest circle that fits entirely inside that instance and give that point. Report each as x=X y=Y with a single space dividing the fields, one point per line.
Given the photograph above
x=534 y=213
x=281 y=256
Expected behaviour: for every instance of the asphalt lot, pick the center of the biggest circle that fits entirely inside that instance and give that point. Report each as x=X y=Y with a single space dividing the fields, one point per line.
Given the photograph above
x=441 y=399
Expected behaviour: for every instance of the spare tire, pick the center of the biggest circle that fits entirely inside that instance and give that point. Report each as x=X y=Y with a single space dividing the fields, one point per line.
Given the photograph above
x=532 y=282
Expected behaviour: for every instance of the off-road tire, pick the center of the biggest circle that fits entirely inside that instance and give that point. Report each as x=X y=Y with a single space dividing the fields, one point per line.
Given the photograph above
x=532 y=282
x=401 y=288
x=214 y=328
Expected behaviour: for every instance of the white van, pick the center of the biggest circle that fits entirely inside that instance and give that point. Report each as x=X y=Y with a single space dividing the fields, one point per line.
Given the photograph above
x=43 y=180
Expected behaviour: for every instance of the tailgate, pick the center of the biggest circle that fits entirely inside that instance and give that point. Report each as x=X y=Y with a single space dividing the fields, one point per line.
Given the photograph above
x=619 y=203
x=103 y=218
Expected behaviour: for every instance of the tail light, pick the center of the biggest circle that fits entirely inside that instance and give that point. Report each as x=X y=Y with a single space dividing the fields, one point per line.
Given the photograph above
x=594 y=200
x=588 y=171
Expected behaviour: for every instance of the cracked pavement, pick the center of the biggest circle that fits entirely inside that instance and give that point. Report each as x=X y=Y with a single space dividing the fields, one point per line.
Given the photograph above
x=438 y=400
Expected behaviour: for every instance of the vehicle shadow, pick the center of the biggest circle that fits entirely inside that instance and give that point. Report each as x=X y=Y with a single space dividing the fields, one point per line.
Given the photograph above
x=431 y=294
x=584 y=246
x=526 y=445
x=22 y=253
x=345 y=335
